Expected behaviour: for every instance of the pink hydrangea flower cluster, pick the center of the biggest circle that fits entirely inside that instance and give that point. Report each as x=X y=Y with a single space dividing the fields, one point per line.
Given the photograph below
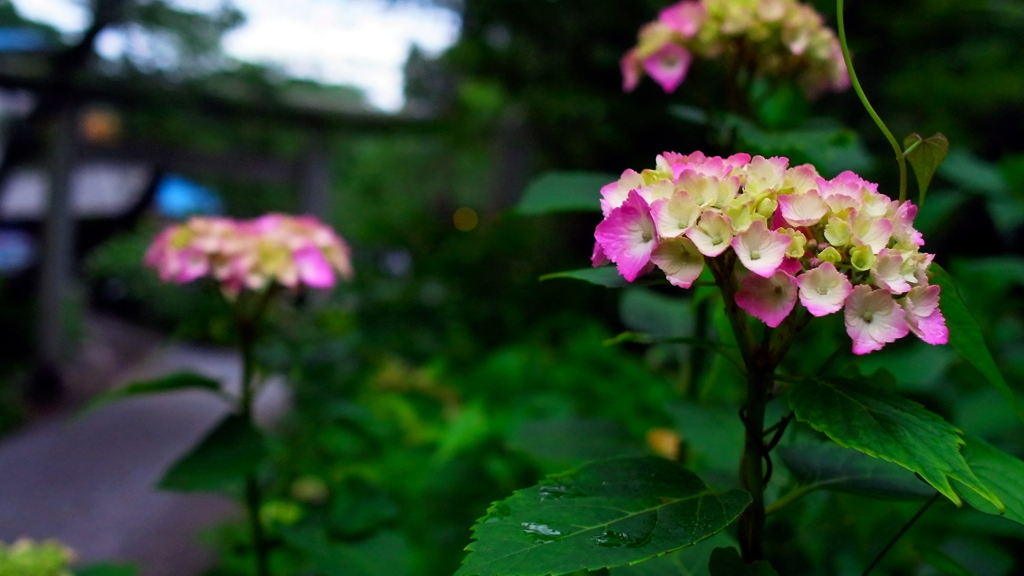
x=774 y=38
x=251 y=254
x=830 y=244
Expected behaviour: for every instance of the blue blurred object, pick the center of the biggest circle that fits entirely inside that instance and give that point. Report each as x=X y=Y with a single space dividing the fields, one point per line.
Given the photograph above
x=178 y=197
x=18 y=251
x=22 y=40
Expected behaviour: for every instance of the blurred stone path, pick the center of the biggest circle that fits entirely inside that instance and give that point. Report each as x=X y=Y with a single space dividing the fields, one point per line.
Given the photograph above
x=87 y=479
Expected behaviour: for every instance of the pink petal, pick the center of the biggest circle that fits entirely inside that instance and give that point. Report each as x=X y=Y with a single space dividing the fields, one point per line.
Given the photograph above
x=803 y=209
x=598 y=258
x=631 y=69
x=844 y=191
x=668 y=66
x=680 y=260
x=903 y=225
x=791 y=266
x=873 y=319
x=887 y=272
x=712 y=234
x=313 y=269
x=802 y=178
x=627 y=236
x=684 y=18
x=674 y=216
x=765 y=174
x=760 y=250
x=824 y=290
x=924 y=318
x=614 y=194
x=873 y=232
x=188 y=264
x=768 y=299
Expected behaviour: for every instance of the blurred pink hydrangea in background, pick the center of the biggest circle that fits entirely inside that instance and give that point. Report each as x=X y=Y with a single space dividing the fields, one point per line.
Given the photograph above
x=768 y=38
x=251 y=254
x=830 y=245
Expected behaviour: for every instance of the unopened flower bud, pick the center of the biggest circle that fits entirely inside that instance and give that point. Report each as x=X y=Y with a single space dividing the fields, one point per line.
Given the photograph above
x=862 y=258
x=830 y=254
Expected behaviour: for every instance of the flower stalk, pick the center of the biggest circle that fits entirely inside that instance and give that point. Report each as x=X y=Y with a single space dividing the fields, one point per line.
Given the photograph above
x=251 y=261
x=247 y=325
x=900 y=158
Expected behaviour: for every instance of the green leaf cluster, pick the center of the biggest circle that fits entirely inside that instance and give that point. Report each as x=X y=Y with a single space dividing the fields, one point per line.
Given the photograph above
x=604 y=514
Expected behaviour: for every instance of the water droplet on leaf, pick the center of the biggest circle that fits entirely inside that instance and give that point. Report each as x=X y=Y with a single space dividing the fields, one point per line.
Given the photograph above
x=556 y=492
x=612 y=539
x=540 y=532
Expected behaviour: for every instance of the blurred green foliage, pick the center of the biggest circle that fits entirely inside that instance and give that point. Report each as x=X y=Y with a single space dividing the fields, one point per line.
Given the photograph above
x=28 y=558
x=445 y=376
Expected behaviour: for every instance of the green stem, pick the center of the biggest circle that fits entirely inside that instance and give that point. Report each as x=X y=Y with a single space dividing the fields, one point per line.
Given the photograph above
x=751 y=522
x=760 y=366
x=867 y=105
x=900 y=534
x=247 y=326
x=790 y=497
x=721 y=269
x=697 y=356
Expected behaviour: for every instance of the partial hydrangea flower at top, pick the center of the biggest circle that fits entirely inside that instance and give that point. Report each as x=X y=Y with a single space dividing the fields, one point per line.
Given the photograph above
x=770 y=38
x=251 y=254
x=830 y=244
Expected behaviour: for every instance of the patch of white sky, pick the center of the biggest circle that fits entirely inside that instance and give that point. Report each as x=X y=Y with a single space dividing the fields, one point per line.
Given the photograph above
x=361 y=43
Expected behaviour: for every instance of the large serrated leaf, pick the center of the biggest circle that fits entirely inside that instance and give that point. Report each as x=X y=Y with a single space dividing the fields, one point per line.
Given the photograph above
x=564 y=192
x=1002 y=473
x=605 y=514
x=887 y=426
x=925 y=155
x=171 y=383
x=828 y=466
x=965 y=335
x=689 y=561
x=221 y=460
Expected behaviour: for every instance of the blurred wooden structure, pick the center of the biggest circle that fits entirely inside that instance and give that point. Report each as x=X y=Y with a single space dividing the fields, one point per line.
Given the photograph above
x=64 y=149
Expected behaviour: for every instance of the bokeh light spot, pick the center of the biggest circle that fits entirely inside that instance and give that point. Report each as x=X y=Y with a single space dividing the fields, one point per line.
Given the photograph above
x=465 y=219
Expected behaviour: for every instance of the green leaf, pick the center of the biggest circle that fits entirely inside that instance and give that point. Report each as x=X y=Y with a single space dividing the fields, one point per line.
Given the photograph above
x=379 y=555
x=604 y=514
x=728 y=351
x=107 y=569
x=470 y=427
x=564 y=192
x=974 y=174
x=221 y=460
x=829 y=146
x=890 y=427
x=727 y=562
x=925 y=155
x=649 y=312
x=606 y=276
x=713 y=441
x=829 y=466
x=171 y=383
x=999 y=471
x=965 y=335
x=944 y=563
x=578 y=440
x=689 y=561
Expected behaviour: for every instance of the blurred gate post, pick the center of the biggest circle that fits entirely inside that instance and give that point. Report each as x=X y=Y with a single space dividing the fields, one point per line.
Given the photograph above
x=315 y=178
x=56 y=263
